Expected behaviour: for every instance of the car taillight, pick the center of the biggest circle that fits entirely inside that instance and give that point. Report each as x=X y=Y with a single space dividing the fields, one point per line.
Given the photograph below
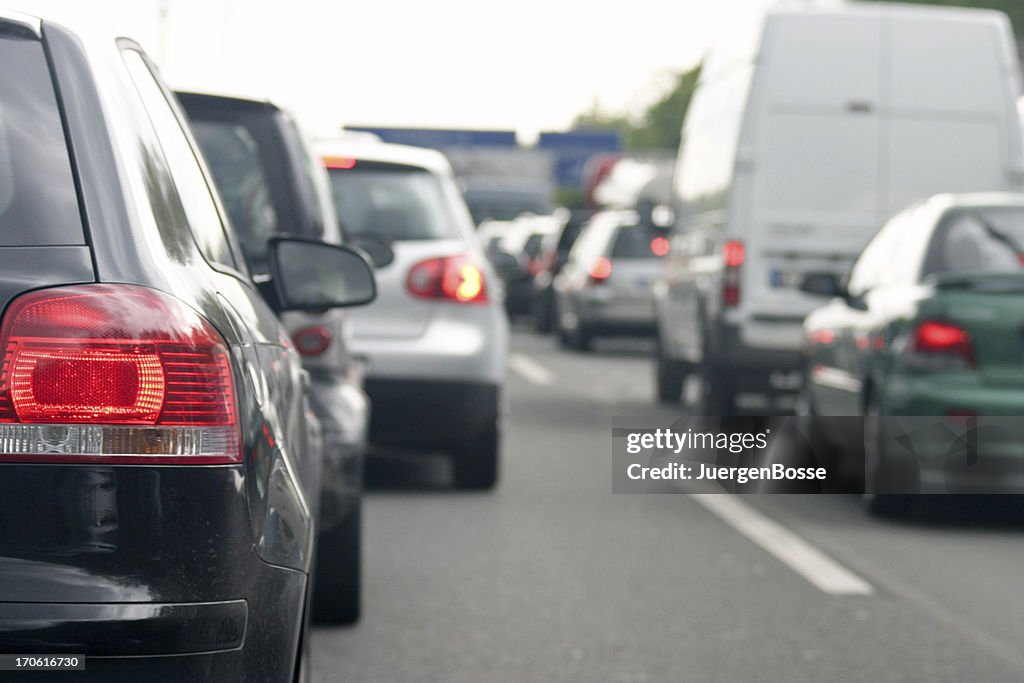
x=733 y=254
x=601 y=269
x=312 y=341
x=942 y=342
x=451 y=278
x=114 y=374
x=660 y=246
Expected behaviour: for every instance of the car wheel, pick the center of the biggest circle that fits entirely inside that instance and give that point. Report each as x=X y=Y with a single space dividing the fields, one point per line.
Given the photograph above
x=582 y=338
x=888 y=477
x=716 y=398
x=669 y=375
x=476 y=461
x=542 y=314
x=337 y=587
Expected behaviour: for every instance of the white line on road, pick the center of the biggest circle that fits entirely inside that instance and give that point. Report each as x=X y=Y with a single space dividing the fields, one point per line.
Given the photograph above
x=798 y=554
x=531 y=370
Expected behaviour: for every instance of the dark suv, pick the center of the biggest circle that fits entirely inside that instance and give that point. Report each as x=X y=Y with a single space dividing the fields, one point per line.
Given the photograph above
x=159 y=464
x=270 y=185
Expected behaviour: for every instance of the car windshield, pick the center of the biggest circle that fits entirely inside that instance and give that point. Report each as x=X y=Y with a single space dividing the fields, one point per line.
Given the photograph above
x=989 y=240
x=390 y=201
x=633 y=243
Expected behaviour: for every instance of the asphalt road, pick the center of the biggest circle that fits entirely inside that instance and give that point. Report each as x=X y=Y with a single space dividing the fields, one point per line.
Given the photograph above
x=553 y=578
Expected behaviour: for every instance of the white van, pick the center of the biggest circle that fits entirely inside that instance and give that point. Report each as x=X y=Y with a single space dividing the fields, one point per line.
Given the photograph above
x=797 y=145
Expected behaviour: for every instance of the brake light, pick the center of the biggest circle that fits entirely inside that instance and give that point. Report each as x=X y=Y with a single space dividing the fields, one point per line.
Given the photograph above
x=943 y=341
x=733 y=254
x=114 y=373
x=312 y=341
x=659 y=246
x=452 y=278
x=601 y=269
x=339 y=163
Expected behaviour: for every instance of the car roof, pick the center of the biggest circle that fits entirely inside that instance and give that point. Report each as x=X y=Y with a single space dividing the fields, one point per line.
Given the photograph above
x=976 y=200
x=384 y=152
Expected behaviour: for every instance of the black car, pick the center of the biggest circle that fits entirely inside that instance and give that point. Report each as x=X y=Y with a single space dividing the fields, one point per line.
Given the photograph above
x=159 y=463
x=554 y=253
x=271 y=185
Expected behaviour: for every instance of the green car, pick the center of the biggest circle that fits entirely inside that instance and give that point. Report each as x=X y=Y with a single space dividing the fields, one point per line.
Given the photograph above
x=924 y=340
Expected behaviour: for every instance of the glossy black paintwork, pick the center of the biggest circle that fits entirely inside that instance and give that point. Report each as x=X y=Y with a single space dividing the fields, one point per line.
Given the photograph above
x=161 y=535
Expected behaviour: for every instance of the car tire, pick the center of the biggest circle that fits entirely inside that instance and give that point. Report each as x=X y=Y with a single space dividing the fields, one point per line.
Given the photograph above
x=717 y=396
x=582 y=339
x=669 y=375
x=884 y=474
x=475 y=462
x=542 y=314
x=337 y=588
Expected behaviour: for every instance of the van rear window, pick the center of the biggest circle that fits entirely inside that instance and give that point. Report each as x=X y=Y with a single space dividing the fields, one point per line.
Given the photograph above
x=391 y=201
x=38 y=200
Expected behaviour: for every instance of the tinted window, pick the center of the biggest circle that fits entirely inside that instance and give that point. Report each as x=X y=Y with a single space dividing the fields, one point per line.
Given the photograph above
x=38 y=202
x=391 y=201
x=234 y=158
x=199 y=205
x=632 y=243
x=989 y=241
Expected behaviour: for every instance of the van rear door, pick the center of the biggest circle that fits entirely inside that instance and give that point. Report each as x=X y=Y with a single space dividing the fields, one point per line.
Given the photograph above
x=814 y=161
x=950 y=124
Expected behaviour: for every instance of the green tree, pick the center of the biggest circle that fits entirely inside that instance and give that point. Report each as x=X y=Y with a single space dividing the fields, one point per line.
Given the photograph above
x=658 y=127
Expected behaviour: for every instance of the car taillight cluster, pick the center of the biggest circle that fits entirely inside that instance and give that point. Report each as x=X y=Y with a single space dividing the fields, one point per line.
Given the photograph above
x=313 y=340
x=733 y=255
x=450 y=278
x=114 y=373
x=600 y=269
x=938 y=341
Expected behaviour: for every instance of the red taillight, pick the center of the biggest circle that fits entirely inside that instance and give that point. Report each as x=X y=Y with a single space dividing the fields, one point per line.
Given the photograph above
x=943 y=340
x=453 y=278
x=339 y=163
x=601 y=269
x=312 y=341
x=114 y=373
x=659 y=246
x=821 y=338
x=733 y=254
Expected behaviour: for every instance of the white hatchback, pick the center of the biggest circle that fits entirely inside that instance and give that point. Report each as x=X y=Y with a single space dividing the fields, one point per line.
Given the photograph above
x=436 y=339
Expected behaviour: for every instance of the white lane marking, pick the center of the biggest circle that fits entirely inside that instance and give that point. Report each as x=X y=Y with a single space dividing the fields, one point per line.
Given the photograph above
x=799 y=555
x=531 y=370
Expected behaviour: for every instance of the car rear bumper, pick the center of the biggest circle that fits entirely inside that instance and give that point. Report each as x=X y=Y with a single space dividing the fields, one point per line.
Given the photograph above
x=430 y=414
x=149 y=570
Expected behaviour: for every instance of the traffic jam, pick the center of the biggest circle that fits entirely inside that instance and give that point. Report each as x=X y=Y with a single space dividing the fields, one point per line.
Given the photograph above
x=376 y=379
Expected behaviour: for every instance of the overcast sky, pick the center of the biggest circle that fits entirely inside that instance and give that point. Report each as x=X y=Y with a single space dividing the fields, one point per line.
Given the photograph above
x=528 y=65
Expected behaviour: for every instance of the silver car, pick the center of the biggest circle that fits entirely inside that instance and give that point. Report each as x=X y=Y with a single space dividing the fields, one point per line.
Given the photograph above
x=435 y=341
x=604 y=289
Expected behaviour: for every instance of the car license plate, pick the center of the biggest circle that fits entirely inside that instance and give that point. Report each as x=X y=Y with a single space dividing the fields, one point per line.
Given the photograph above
x=785 y=278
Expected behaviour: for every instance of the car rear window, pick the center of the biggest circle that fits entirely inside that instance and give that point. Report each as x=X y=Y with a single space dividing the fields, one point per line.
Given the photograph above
x=233 y=156
x=989 y=240
x=633 y=243
x=391 y=201
x=38 y=200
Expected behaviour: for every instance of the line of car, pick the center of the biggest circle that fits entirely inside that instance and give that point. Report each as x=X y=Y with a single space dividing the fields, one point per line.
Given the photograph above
x=800 y=141
x=184 y=409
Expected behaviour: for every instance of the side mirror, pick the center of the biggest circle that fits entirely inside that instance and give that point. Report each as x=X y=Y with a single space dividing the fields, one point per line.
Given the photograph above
x=309 y=275
x=506 y=264
x=822 y=284
x=378 y=250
